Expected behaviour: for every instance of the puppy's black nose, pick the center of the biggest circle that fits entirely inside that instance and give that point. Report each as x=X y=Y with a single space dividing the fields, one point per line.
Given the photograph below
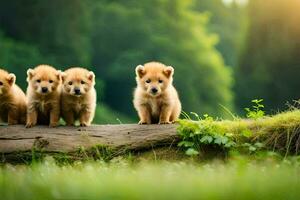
x=44 y=90
x=77 y=91
x=154 y=90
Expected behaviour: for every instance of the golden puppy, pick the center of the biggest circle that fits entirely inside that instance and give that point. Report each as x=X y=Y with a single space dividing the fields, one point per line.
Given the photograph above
x=78 y=96
x=43 y=95
x=12 y=100
x=155 y=98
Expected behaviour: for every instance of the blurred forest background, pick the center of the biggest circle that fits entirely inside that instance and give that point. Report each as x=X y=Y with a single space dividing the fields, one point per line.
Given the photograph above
x=225 y=52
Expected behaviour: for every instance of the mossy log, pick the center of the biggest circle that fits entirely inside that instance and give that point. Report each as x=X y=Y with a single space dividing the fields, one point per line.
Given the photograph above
x=280 y=133
x=69 y=139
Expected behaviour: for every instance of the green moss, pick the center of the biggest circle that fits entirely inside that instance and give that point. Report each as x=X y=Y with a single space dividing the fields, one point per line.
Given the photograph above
x=280 y=133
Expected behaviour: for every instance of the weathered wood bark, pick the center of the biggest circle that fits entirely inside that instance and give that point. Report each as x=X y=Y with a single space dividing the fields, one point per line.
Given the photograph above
x=16 y=139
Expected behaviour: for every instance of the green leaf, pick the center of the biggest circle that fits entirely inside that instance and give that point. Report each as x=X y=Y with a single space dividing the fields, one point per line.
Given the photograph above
x=230 y=144
x=191 y=152
x=252 y=148
x=218 y=140
x=180 y=144
x=186 y=144
x=224 y=140
x=259 y=145
x=206 y=139
x=246 y=145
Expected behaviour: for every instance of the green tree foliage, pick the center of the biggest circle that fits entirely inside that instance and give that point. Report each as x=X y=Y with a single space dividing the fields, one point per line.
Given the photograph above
x=17 y=57
x=226 y=20
x=128 y=33
x=59 y=28
x=269 y=65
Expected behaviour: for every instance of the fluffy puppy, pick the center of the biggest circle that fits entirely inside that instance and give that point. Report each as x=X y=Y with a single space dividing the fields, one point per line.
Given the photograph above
x=12 y=100
x=43 y=95
x=78 y=96
x=155 y=98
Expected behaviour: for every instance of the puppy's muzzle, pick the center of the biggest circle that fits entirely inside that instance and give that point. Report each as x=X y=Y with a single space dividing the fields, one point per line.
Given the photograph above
x=44 y=90
x=154 y=90
x=77 y=91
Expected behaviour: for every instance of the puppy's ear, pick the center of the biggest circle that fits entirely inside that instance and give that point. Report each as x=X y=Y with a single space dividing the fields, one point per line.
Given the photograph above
x=11 y=79
x=140 y=71
x=30 y=74
x=58 y=75
x=91 y=76
x=63 y=76
x=169 y=71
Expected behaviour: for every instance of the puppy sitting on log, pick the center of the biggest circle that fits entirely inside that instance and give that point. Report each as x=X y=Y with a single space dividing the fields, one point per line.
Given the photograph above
x=155 y=98
x=43 y=95
x=78 y=96
x=12 y=100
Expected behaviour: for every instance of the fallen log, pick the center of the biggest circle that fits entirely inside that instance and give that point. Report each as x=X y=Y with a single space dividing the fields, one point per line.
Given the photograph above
x=69 y=139
x=280 y=133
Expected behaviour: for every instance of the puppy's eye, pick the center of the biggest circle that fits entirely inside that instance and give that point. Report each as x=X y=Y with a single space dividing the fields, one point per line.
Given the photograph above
x=38 y=81
x=50 y=81
x=160 y=81
x=148 y=81
x=82 y=82
x=1 y=83
x=70 y=83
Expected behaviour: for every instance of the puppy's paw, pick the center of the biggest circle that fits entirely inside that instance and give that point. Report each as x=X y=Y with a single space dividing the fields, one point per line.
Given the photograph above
x=53 y=124
x=29 y=125
x=143 y=122
x=84 y=124
x=70 y=124
x=12 y=123
x=164 y=122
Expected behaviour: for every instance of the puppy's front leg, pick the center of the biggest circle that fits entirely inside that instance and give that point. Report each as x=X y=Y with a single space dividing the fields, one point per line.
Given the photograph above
x=85 y=118
x=144 y=114
x=31 y=118
x=54 y=116
x=13 y=116
x=165 y=114
x=69 y=117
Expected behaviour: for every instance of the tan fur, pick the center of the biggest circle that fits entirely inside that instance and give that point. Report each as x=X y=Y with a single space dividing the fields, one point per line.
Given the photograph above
x=80 y=106
x=164 y=106
x=12 y=100
x=43 y=108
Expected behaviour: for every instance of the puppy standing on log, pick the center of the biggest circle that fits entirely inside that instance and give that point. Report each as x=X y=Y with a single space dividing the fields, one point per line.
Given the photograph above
x=78 y=96
x=43 y=95
x=12 y=100
x=155 y=98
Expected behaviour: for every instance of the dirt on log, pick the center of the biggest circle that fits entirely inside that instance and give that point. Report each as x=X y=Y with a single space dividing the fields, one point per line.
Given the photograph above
x=18 y=139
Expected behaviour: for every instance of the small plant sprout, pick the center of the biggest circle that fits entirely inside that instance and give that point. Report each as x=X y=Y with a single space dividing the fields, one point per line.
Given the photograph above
x=256 y=111
x=196 y=116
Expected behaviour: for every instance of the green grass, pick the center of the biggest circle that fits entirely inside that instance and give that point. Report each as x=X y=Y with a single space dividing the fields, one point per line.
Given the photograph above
x=238 y=178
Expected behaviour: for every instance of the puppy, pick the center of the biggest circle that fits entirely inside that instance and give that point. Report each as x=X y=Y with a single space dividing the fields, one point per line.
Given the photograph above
x=78 y=96
x=155 y=98
x=12 y=100
x=43 y=95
